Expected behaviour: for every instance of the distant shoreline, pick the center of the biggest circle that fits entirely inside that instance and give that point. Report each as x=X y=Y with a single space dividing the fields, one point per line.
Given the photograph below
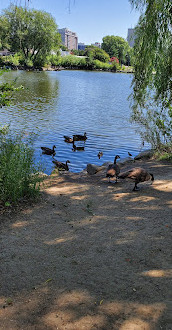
x=54 y=68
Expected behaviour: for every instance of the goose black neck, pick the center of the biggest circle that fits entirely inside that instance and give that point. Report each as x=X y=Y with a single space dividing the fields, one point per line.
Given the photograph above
x=115 y=159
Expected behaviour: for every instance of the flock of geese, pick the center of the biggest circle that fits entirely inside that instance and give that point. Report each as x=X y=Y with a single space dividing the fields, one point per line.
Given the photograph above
x=136 y=174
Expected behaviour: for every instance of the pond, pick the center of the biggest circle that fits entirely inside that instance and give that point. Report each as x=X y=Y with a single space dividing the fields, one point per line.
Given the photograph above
x=57 y=103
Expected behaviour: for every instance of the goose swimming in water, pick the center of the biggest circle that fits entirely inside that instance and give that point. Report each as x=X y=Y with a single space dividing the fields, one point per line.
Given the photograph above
x=78 y=137
x=62 y=166
x=68 y=139
x=79 y=148
x=100 y=154
x=48 y=151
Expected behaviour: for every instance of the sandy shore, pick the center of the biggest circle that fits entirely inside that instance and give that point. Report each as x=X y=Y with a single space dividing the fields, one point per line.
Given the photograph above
x=89 y=255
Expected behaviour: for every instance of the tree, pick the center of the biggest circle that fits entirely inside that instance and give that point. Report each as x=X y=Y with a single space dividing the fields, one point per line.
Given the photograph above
x=32 y=32
x=116 y=47
x=97 y=54
x=152 y=82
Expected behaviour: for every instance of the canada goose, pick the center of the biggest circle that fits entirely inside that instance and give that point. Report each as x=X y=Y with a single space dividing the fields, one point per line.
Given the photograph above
x=48 y=151
x=78 y=137
x=68 y=139
x=113 y=169
x=62 y=166
x=100 y=154
x=80 y=148
x=137 y=174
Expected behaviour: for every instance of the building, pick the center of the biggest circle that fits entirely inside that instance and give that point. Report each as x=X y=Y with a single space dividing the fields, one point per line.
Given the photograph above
x=131 y=37
x=64 y=53
x=69 y=38
x=81 y=46
x=97 y=44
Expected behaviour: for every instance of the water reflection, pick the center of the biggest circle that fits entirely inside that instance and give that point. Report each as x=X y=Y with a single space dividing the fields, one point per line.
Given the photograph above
x=39 y=90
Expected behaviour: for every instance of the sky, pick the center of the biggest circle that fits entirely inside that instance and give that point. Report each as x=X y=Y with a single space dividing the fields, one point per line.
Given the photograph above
x=91 y=20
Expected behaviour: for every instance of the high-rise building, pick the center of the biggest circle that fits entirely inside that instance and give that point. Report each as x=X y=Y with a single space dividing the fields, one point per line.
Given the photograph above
x=69 y=38
x=131 y=37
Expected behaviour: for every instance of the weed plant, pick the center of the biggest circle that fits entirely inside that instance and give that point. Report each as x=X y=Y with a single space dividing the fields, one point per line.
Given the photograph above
x=18 y=178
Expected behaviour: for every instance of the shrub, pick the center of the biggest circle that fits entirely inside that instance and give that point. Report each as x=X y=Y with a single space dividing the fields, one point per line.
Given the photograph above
x=53 y=60
x=73 y=62
x=17 y=169
x=29 y=63
x=101 y=66
x=164 y=152
x=11 y=60
x=115 y=66
x=112 y=59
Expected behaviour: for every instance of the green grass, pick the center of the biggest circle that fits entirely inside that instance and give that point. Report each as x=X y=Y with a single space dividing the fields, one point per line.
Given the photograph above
x=164 y=156
x=16 y=171
x=164 y=152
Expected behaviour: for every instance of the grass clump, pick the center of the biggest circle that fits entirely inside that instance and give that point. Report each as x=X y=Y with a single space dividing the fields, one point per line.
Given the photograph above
x=18 y=178
x=164 y=152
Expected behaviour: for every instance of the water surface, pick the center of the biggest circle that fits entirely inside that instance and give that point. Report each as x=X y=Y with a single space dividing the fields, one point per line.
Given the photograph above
x=54 y=104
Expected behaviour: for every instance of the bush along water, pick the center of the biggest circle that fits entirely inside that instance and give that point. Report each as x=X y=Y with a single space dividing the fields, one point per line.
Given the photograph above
x=18 y=178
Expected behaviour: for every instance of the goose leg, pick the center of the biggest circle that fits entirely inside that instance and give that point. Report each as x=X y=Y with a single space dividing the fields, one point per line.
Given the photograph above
x=135 y=187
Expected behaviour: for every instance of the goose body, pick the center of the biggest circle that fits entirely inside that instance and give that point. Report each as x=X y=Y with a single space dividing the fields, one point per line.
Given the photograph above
x=113 y=169
x=68 y=139
x=48 y=151
x=100 y=154
x=62 y=166
x=77 y=148
x=78 y=137
x=137 y=175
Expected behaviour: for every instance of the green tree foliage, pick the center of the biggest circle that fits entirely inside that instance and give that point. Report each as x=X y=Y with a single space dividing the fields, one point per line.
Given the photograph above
x=152 y=82
x=97 y=54
x=32 y=32
x=85 y=63
x=116 y=46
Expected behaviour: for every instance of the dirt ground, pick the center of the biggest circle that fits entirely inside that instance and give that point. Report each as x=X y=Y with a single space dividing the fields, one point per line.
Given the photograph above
x=89 y=255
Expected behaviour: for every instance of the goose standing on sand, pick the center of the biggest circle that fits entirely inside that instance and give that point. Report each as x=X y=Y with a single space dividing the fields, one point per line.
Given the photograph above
x=48 y=151
x=78 y=137
x=138 y=175
x=113 y=169
x=62 y=166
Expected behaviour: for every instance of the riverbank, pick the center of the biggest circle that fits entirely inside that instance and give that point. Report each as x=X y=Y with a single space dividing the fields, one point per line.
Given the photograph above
x=124 y=69
x=89 y=255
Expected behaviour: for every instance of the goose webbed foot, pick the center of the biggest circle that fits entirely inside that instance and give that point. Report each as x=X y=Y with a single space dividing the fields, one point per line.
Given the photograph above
x=136 y=188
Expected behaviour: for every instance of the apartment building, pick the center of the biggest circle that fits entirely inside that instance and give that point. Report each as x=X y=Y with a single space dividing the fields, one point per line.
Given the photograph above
x=69 y=38
x=131 y=37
